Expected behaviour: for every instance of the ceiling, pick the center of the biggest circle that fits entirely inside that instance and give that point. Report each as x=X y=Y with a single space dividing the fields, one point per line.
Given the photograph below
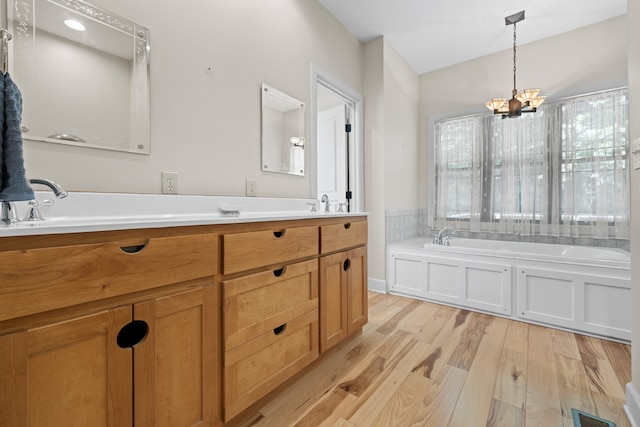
x=432 y=34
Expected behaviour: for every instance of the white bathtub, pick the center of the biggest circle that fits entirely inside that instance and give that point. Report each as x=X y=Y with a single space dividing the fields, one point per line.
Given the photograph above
x=539 y=251
x=584 y=289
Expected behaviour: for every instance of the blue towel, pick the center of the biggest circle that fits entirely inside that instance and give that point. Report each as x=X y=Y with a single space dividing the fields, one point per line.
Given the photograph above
x=13 y=180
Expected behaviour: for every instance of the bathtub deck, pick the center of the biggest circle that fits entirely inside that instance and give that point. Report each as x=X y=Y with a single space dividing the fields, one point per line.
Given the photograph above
x=424 y=364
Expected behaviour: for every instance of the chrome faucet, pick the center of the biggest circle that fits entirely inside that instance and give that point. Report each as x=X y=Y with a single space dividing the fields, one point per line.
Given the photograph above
x=325 y=200
x=9 y=214
x=58 y=191
x=440 y=239
x=33 y=214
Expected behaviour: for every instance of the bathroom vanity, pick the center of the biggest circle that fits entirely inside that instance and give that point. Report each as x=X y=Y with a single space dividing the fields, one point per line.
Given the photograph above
x=136 y=323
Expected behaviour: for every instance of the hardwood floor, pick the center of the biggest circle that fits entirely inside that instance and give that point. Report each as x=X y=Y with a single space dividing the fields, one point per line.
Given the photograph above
x=423 y=364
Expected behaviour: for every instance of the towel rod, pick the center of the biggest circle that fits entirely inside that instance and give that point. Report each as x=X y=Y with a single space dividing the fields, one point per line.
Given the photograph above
x=5 y=36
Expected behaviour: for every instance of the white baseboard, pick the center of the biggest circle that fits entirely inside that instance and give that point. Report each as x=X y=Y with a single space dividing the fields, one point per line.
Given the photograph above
x=376 y=285
x=632 y=407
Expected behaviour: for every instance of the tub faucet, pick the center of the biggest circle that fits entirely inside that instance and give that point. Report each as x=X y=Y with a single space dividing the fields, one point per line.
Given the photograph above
x=325 y=200
x=440 y=239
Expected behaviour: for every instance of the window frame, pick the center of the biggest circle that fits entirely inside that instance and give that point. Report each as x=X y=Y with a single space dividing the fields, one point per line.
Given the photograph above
x=555 y=161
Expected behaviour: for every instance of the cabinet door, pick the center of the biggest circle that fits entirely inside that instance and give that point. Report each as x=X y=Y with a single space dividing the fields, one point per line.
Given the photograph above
x=175 y=378
x=65 y=374
x=357 y=289
x=333 y=300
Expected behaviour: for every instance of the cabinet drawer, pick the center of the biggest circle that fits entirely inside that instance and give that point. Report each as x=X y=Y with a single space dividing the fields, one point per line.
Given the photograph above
x=341 y=236
x=260 y=302
x=244 y=251
x=38 y=280
x=257 y=367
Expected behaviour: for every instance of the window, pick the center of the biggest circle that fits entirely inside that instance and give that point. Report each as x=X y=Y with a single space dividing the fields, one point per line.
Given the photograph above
x=560 y=171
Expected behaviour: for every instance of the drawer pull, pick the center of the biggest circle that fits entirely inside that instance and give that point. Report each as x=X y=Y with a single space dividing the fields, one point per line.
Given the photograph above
x=279 y=272
x=280 y=329
x=346 y=265
x=279 y=234
x=133 y=248
x=347 y=226
x=132 y=334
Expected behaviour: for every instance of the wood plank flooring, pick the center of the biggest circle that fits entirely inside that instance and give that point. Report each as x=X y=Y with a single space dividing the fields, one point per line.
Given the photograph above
x=423 y=364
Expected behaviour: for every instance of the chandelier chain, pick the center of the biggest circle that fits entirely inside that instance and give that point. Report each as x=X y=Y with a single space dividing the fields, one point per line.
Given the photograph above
x=514 y=58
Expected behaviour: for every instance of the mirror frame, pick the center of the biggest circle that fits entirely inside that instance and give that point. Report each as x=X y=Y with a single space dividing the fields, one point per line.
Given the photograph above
x=283 y=132
x=21 y=15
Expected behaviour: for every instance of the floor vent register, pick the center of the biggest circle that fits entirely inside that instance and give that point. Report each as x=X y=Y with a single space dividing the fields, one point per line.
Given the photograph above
x=582 y=419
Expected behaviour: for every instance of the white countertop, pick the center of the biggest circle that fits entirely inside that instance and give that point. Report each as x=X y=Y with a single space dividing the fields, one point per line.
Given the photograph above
x=86 y=212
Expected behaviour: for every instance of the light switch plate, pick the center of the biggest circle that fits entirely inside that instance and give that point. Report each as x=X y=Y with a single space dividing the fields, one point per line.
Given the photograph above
x=251 y=187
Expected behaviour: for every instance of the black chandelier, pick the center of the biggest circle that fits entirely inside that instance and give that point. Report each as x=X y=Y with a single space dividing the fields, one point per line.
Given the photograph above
x=521 y=102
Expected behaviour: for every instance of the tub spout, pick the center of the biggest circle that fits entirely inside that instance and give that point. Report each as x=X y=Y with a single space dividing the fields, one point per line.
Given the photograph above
x=442 y=239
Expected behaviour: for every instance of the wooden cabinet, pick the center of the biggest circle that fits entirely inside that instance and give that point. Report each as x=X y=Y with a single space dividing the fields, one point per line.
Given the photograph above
x=41 y=279
x=336 y=237
x=70 y=373
x=270 y=316
x=184 y=326
x=255 y=249
x=343 y=283
x=174 y=367
x=101 y=333
x=83 y=371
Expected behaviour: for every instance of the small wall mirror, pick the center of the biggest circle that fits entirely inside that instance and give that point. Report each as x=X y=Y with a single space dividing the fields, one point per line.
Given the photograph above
x=283 y=139
x=83 y=73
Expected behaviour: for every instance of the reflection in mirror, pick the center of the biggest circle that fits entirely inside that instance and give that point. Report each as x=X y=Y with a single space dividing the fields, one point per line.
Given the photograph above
x=282 y=132
x=83 y=73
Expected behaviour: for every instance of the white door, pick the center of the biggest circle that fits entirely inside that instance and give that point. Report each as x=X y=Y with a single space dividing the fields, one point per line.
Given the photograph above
x=337 y=116
x=332 y=165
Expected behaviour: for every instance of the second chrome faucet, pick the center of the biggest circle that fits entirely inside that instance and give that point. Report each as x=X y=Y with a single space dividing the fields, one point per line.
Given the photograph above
x=325 y=200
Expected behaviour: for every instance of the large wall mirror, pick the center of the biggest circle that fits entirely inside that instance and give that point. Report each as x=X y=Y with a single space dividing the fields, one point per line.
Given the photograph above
x=83 y=73
x=282 y=132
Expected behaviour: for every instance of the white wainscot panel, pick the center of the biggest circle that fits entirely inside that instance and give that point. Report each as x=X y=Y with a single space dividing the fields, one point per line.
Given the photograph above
x=546 y=296
x=406 y=274
x=483 y=286
x=442 y=280
x=608 y=307
x=488 y=287
x=594 y=304
x=479 y=285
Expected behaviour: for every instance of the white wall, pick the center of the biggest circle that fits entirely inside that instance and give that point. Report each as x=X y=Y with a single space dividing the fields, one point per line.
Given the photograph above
x=401 y=90
x=374 y=153
x=633 y=15
x=206 y=126
x=585 y=60
x=391 y=141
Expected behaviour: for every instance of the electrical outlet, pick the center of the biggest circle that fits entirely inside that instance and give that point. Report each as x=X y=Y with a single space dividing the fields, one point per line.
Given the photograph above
x=169 y=182
x=252 y=187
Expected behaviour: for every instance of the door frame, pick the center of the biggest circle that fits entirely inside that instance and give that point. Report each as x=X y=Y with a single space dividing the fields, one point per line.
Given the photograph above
x=356 y=155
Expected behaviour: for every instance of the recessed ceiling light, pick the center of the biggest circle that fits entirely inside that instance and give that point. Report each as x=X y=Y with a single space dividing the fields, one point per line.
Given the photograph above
x=74 y=25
